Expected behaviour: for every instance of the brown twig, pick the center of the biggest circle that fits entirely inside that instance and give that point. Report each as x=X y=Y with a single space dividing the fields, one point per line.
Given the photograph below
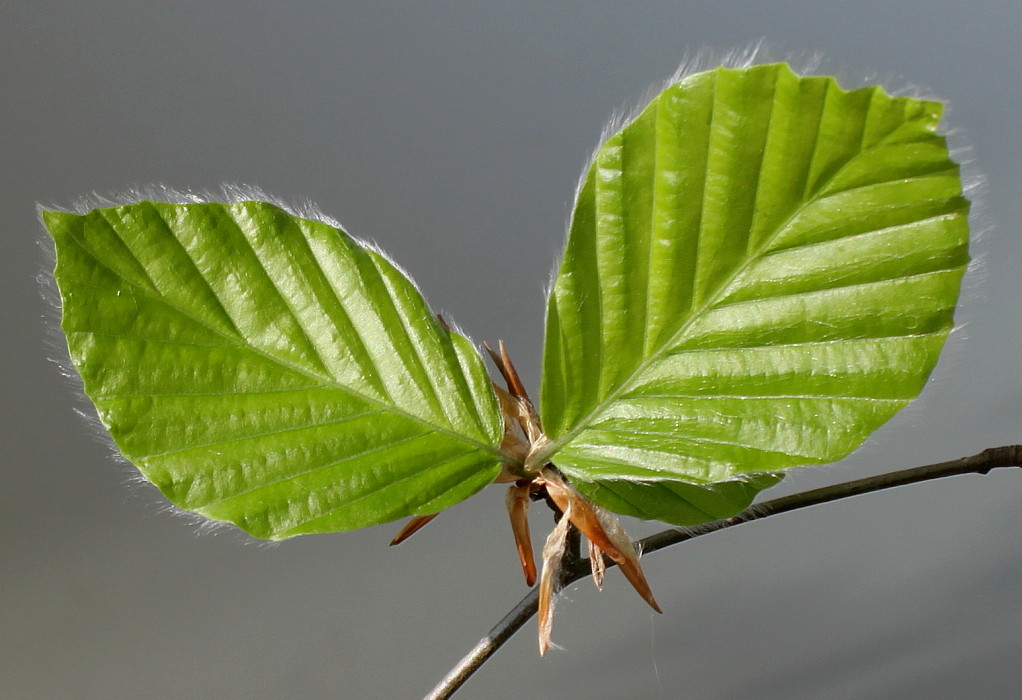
x=982 y=463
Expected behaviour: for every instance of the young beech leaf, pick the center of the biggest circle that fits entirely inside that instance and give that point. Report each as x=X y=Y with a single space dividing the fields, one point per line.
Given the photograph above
x=268 y=370
x=761 y=270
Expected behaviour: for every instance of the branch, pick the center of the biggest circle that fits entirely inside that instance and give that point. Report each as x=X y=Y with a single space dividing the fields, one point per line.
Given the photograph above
x=982 y=463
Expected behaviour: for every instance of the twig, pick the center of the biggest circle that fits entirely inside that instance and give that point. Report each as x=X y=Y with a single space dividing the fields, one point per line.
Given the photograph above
x=982 y=463
x=486 y=647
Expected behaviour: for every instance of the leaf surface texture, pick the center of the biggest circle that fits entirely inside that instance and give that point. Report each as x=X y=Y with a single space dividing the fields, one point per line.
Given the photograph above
x=761 y=270
x=268 y=370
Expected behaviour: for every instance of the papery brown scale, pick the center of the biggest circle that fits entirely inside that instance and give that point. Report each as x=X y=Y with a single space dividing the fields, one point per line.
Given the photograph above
x=410 y=528
x=582 y=514
x=603 y=529
x=596 y=564
x=518 y=502
x=553 y=553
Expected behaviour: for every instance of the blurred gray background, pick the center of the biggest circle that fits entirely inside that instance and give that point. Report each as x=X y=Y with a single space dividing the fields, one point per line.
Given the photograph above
x=452 y=134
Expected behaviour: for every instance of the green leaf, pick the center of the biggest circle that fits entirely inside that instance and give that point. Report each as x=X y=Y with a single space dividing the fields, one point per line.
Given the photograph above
x=761 y=270
x=268 y=370
x=678 y=502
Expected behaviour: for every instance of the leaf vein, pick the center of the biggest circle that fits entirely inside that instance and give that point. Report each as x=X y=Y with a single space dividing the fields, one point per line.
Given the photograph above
x=256 y=436
x=313 y=470
x=322 y=381
x=709 y=304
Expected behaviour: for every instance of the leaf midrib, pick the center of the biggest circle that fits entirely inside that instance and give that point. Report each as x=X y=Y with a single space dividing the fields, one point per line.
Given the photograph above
x=323 y=382
x=556 y=445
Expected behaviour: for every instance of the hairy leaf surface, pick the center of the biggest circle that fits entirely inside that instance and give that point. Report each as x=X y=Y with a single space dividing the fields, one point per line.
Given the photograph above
x=268 y=370
x=761 y=270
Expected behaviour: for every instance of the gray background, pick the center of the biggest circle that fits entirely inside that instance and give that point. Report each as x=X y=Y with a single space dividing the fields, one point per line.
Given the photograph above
x=452 y=134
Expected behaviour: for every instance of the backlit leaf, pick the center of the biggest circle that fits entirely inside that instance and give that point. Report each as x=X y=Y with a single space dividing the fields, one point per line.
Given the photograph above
x=761 y=270
x=268 y=370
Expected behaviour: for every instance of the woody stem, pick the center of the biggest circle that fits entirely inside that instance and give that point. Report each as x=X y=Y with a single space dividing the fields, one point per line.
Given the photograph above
x=982 y=463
